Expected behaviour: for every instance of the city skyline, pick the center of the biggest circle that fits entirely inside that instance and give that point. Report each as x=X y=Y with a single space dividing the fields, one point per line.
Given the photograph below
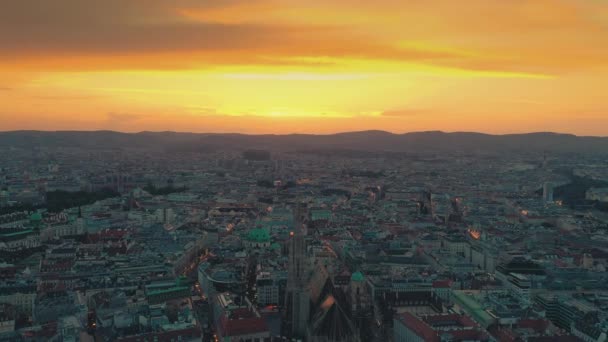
x=304 y=171
x=318 y=67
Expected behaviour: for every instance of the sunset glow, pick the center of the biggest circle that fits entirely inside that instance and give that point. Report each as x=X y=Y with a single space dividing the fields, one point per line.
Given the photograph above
x=270 y=66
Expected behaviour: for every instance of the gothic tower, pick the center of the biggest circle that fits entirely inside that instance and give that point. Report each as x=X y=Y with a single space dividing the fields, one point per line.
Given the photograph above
x=297 y=301
x=81 y=227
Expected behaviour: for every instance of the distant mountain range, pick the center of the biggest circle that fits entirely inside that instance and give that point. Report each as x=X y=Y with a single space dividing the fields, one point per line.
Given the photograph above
x=371 y=141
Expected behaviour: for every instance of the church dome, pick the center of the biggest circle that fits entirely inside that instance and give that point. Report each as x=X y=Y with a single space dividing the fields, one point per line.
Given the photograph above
x=36 y=217
x=357 y=276
x=258 y=235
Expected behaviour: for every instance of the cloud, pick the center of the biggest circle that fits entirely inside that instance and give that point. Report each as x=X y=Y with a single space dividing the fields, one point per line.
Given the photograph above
x=5 y=89
x=486 y=35
x=66 y=97
x=114 y=119
x=404 y=113
x=298 y=76
x=200 y=111
x=77 y=27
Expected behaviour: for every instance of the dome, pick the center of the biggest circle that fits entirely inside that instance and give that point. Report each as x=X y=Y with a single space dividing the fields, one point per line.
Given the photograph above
x=36 y=217
x=258 y=235
x=357 y=276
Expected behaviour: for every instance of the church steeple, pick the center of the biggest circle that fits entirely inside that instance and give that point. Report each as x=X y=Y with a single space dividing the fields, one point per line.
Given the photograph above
x=80 y=223
x=297 y=301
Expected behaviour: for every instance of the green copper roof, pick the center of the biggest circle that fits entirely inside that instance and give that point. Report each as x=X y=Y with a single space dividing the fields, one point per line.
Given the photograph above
x=181 y=281
x=36 y=216
x=169 y=290
x=321 y=215
x=473 y=308
x=357 y=276
x=258 y=235
x=22 y=232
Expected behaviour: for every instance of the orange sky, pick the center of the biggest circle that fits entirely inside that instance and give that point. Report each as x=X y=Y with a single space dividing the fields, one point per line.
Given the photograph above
x=318 y=66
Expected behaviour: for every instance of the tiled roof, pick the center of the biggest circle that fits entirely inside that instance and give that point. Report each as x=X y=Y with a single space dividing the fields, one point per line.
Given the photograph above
x=246 y=326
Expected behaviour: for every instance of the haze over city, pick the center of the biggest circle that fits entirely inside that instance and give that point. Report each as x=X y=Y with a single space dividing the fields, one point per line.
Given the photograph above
x=269 y=66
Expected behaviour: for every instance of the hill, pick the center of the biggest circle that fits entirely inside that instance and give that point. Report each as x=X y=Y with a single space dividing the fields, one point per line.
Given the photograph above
x=370 y=141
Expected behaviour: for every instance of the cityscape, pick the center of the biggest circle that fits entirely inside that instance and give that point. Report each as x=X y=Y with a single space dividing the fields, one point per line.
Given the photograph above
x=168 y=244
x=303 y=171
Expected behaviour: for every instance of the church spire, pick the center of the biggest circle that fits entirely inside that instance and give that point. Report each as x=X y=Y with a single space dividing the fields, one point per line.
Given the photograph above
x=297 y=304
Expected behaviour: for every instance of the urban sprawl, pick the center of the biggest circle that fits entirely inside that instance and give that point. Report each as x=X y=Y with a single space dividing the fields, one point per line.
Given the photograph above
x=139 y=245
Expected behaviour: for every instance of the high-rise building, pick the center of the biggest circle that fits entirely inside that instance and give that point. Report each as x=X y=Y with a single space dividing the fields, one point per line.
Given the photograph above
x=548 y=192
x=4 y=197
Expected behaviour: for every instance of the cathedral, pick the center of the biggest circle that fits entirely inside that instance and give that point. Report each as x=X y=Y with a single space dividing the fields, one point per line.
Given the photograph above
x=315 y=310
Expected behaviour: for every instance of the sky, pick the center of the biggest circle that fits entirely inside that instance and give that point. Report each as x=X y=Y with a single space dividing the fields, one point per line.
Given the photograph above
x=314 y=66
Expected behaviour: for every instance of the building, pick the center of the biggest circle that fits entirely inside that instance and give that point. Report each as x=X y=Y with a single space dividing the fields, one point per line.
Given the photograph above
x=564 y=312
x=19 y=240
x=165 y=215
x=257 y=238
x=443 y=289
x=236 y=319
x=520 y=285
x=457 y=245
x=466 y=303
x=7 y=319
x=484 y=257
x=269 y=288
x=22 y=295
x=4 y=197
x=359 y=293
x=221 y=278
x=548 y=192
x=533 y=271
x=597 y=194
x=436 y=328
x=163 y=295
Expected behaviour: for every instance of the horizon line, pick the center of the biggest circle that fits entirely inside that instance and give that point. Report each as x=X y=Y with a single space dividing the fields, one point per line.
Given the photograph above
x=300 y=133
